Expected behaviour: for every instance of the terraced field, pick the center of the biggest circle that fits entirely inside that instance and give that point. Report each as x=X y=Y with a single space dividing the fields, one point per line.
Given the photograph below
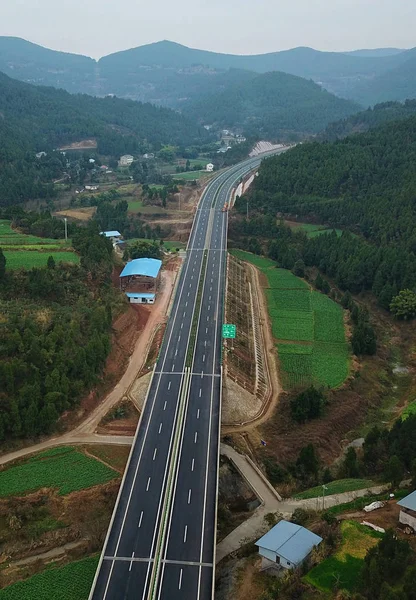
x=307 y=326
x=26 y=251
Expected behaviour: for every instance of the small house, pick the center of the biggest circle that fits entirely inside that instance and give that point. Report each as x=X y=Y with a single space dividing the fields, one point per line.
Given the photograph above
x=125 y=160
x=91 y=161
x=140 y=298
x=114 y=236
x=407 y=515
x=91 y=188
x=210 y=167
x=287 y=545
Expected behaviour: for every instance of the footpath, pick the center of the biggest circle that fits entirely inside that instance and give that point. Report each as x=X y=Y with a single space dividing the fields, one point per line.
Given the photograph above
x=271 y=502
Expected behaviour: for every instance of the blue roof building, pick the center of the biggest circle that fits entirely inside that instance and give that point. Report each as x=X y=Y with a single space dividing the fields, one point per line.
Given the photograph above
x=407 y=515
x=287 y=545
x=111 y=234
x=140 y=280
x=142 y=267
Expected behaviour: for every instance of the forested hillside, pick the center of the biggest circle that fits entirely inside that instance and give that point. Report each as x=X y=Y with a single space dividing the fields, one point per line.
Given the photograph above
x=274 y=105
x=168 y=73
x=55 y=335
x=397 y=83
x=369 y=119
x=365 y=184
x=40 y=118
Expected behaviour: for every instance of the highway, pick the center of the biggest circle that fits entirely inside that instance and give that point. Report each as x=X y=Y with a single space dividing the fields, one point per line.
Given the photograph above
x=161 y=539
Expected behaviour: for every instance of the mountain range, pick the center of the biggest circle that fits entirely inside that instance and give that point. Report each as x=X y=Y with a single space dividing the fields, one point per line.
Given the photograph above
x=171 y=74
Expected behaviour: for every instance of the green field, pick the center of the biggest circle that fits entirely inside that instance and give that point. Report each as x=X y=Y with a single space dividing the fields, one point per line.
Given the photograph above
x=342 y=570
x=409 y=410
x=26 y=259
x=312 y=320
x=11 y=237
x=65 y=469
x=312 y=230
x=191 y=175
x=70 y=582
x=338 y=486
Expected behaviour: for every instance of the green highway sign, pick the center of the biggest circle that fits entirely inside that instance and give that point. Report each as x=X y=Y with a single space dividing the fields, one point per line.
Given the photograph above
x=229 y=331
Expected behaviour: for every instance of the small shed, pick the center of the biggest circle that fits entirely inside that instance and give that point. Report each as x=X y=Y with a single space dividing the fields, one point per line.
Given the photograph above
x=210 y=167
x=407 y=515
x=140 y=298
x=287 y=545
x=112 y=235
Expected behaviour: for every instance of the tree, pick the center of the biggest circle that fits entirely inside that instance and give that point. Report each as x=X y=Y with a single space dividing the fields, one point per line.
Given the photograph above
x=51 y=262
x=413 y=473
x=308 y=462
x=394 y=471
x=384 y=563
x=141 y=249
x=307 y=405
x=2 y=265
x=350 y=467
x=299 y=268
x=403 y=306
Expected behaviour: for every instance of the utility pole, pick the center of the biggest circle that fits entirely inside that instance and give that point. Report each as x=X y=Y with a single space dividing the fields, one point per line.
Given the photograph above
x=66 y=228
x=323 y=496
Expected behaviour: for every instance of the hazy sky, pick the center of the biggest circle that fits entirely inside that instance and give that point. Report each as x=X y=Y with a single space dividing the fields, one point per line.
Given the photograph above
x=99 y=27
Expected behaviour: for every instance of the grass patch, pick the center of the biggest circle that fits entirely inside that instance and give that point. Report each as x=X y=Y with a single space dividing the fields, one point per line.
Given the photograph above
x=11 y=237
x=191 y=175
x=167 y=244
x=134 y=206
x=313 y=230
x=258 y=261
x=300 y=314
x=70 y=582
x=342 y=570
x=66 y=469
x=26 y=259
x=409 y=410
x=338 y=486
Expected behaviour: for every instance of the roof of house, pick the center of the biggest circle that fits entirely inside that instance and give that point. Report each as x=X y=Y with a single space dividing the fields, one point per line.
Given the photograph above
x=409 y=501
x=149 y=267
x=289 y=541
x=140 y=295
x=111 y=233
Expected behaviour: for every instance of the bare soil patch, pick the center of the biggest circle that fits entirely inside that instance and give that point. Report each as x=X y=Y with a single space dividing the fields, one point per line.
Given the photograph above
x=78 y=214
x=238 y=405
x=121 y=420
x=81 y=145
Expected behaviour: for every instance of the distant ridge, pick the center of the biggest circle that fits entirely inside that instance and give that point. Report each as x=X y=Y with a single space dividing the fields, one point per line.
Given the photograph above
x=174 y=73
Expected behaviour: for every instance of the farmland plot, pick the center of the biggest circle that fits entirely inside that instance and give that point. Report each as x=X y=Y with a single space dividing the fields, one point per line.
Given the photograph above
x=299 y=314
x=70 y=582
x=66 y=469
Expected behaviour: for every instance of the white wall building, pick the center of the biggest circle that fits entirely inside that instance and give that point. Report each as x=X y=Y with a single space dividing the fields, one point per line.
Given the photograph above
x=125 y=160
x=210 y=167
x=407 y=515
x=286 y=545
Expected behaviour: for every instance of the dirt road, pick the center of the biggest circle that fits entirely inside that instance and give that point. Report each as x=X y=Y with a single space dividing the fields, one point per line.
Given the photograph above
x=84 y=433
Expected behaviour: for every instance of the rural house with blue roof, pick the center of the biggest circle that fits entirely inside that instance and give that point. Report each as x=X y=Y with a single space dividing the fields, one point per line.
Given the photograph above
x=286 y=546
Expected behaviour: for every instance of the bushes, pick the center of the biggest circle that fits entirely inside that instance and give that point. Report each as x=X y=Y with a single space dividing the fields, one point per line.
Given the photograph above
x=307 y=405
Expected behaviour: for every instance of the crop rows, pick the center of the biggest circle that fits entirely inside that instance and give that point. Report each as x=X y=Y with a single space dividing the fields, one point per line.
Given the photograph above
x=66 y=469
x=258 y=261
x=26 y=259
x=70 y=582
x=299 y=314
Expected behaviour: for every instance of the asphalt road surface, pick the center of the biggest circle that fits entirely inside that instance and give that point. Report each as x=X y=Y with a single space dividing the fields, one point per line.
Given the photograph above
x=161 y=539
